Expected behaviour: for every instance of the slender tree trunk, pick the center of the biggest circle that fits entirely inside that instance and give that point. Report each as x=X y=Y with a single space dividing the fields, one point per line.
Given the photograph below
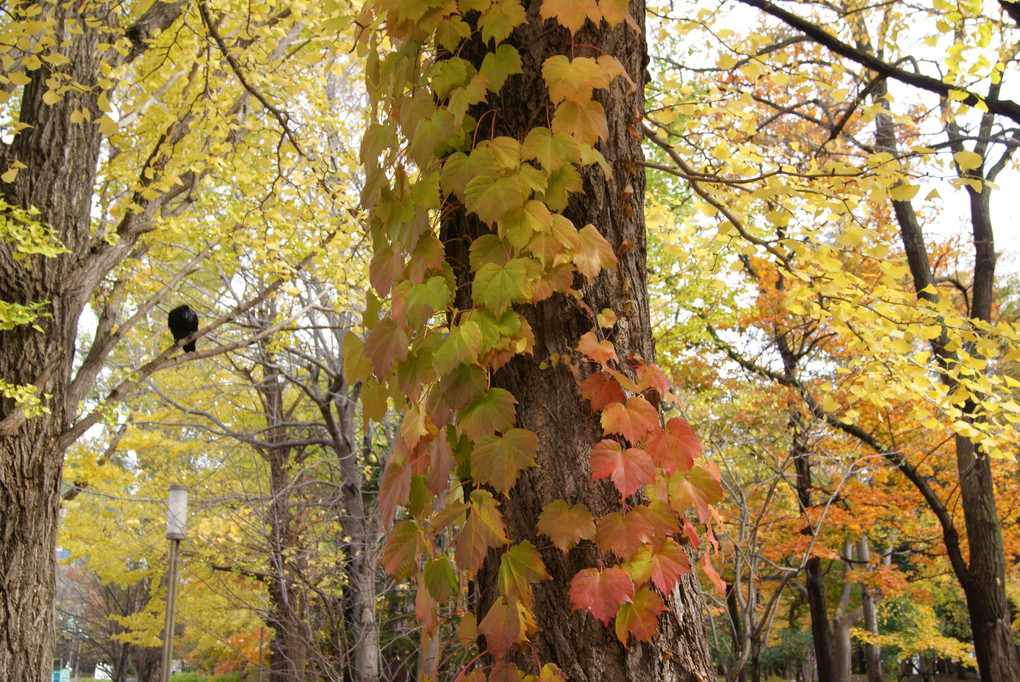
x=869 y=609
x=337 y=407
x=738 y=663
x=814 y=570
x=289 y=646
x=983 y=577
x=821 y=629
x=549 y=402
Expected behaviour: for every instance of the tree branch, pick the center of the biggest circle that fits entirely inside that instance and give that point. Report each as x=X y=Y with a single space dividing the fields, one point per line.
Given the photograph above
x=1007 y=108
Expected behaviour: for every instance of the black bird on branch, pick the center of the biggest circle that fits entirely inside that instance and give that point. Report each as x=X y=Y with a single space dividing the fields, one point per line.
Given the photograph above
x=183 y=322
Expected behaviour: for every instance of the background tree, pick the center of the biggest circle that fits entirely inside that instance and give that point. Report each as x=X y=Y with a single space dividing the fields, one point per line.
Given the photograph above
x=158 y=96
x=833 y=173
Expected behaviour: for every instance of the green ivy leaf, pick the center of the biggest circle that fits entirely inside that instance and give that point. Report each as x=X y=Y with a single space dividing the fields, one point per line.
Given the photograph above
x=499 y=460
x=488 y=413
x=552 y=150
x=496 y=287
x=500 y=19
x=357 y=366
x=401 y=550
x=440 y=578
x=519 y=567
x=461 y=347
x=499 y=65
x=490 y=198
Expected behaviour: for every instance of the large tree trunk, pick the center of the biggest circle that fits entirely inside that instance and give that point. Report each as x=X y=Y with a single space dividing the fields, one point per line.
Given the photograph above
x=61 y=167
x=59 y=158
x=548 y=399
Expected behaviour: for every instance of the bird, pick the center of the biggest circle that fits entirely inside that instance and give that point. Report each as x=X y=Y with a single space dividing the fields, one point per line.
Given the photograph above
x=183 y=322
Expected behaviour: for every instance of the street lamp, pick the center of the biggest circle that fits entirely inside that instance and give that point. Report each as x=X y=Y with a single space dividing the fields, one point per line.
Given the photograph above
x=176 y=530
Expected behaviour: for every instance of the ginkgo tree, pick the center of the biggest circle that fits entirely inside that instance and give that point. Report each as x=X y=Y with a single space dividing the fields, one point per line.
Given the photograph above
x=114 y=119
x=820 y=206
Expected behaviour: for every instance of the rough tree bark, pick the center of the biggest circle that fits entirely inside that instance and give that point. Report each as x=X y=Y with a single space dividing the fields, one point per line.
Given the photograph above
x=548 y=399
x=59 y=157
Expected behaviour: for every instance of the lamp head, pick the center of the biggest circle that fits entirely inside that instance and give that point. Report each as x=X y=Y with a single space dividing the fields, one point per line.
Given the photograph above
x=177 y=513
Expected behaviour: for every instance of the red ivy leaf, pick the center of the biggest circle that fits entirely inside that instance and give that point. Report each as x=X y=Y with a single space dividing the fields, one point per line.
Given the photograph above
x=599 y=351
x=425 y=608
x=400 y=552
x=505 y=672
x=386 y=266
x=661 y=517
x=394 y=489
x=482 y=529
x=386 y=342
x=713 y=575
x=669 y=562
x=675 y=447
x=639 y=618
x=699 y=486
x=691 y=533
x=566 y=525
x=650 y=376
x=630 y=469
x=631 y=420
x=623 y=535
x=601 y=390
x=441 y=463
x=601 y=592
x=503 y=626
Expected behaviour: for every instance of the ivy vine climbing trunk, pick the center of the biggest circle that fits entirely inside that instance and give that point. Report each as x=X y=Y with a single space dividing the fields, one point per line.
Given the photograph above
x=548 y=400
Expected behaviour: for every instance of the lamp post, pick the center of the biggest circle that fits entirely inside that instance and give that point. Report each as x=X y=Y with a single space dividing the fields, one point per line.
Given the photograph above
x=176 y=530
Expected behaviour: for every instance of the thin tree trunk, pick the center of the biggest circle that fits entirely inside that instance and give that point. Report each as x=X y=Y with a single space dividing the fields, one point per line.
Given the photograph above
x=869 y=608
x=842 y=621
x=337 y=408
x=983 y=578
x=289 y=646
